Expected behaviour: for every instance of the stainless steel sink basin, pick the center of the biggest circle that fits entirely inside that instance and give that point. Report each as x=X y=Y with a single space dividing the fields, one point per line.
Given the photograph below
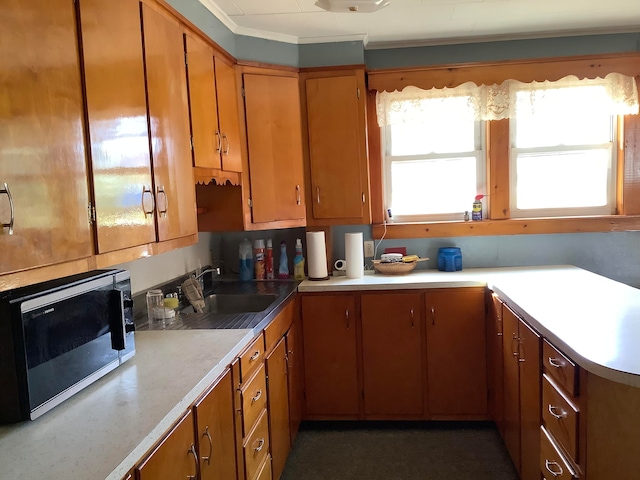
x=235 y=303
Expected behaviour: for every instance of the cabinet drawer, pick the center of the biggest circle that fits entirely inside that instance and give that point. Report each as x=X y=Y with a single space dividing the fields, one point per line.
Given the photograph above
x=256 y=446
x=561 y=417
x=560 y=368
x=276 y=329
x=552 y=463
x=265 y=471
x=254 y=399
x=251 y=358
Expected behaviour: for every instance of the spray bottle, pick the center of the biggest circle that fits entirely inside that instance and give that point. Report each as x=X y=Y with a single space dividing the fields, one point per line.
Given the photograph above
x=476 y=211
x=298 y=262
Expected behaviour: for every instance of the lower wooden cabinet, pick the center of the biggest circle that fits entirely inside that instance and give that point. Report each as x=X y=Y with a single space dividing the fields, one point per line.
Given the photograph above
x=329 y=324
x=215 y=431
x=456 y=353
x=295 y=377
x=277 y=374
x=495 y=382
x=175 y=456
x=392 y=356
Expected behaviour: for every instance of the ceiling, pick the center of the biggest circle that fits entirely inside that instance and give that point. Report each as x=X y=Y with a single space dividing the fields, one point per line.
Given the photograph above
x=426 y=22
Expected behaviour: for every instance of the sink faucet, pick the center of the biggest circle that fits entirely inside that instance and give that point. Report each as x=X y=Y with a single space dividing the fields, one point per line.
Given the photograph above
x=215 y=271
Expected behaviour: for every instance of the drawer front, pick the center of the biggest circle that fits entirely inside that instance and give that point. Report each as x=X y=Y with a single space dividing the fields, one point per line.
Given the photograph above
x=256 y=446
x=561 y=417
x=279 y=326
x=560 y=368
x=552 y=463
x=254 y=399
x=265 y=471
x=251 y=358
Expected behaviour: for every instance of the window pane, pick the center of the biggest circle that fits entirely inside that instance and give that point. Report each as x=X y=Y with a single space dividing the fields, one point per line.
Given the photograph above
x=568 y=116
x=433 y=186
x=441 y=126
x=562 y=179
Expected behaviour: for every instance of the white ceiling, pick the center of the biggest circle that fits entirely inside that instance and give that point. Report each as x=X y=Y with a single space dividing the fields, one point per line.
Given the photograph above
x=426 y=22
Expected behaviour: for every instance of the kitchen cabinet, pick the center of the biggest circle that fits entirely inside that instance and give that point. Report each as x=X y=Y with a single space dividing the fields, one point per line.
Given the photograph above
x=44 y=196
x=124 y=199
x=392 y=355
x=294 y=366
x=495 y=367
x=277 y=373
x=274 y=136
x=338 y=174
x=174 y=457
x=456 y=353
x=214 y=426
x=522 y=365
x=213 y=106
x=330 y=356
x=169 y=123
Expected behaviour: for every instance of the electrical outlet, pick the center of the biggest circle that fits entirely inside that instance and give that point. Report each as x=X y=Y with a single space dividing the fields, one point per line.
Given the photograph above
x=368 y=248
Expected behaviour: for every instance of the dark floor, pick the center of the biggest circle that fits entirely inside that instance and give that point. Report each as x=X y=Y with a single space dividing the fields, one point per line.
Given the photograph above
x=398 y=451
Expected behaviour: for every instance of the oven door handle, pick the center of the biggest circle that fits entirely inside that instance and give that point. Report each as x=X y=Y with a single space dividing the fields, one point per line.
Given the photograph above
x=117 y=319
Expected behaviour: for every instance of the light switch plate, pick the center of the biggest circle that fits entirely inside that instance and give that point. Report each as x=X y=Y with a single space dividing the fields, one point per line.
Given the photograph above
x=368 y=248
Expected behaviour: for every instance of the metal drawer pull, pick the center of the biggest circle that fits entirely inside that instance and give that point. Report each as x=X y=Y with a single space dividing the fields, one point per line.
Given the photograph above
x=260 y=445
x=346 y=313
x=514 y=339
x=555 y=473
x=225 y=138
x=208 y=435
x=192 y=451
x=255 y=355
x=412 y=324
x=6 y=191
x=318 y=195
x=553 y=410
x=258 y=395
x=297 y=194
x=219 y=147
x=556 y=362
x=433 y=316
x=146 y=190
x=160 y=190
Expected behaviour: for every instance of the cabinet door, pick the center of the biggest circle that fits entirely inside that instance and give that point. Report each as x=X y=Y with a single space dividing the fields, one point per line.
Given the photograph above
x=337 y=147
x=511 y=433
x=228 y=117
x=117 y=115
x=203 y=106
x=278 y=396
x=274 y=133
x=42 y=145
x=392 y=354
x=330 y=360
x=169 y=122
x=456 y=352
x=529 y=362
x=294 y=365
x=175 y=457
x=214 y=425
x=495 y=370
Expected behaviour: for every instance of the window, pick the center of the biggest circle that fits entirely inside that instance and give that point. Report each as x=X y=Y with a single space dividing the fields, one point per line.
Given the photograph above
x=434 y=163
x=563 y=154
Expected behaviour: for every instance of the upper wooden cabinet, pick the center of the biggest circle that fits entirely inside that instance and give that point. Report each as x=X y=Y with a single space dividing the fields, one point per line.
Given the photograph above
x=456 y=352
x=228 y=114
x=44 y=196
x=169 y=123
x=337 y=147
x=274 y=137
x=124 y=199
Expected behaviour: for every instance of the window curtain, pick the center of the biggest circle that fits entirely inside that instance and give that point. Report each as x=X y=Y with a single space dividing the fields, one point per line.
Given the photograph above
x=615 y=94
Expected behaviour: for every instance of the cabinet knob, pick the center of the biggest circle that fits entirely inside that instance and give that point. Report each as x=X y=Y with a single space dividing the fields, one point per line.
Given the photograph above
x=318 y=195
x=412 y=316
x=297 y=194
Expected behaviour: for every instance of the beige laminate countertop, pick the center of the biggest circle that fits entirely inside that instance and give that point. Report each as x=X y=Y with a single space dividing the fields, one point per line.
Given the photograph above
x=594 y=320
x=105 y=429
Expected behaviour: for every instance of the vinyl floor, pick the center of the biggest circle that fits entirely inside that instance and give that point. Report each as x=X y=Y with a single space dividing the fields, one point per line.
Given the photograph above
x=398 y=451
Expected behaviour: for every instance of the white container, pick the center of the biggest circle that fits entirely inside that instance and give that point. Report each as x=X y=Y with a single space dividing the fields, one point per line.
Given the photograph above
x=354 y=254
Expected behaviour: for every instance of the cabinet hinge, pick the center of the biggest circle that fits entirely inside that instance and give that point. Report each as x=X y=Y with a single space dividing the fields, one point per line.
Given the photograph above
x=186 y=59
x=91 y=211
x=250 y=203
x=358 y=92
x=242 y=92
x=191 y=139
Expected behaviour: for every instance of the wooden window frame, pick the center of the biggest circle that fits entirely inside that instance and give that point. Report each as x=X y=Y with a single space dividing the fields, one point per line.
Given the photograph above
x=497 y=145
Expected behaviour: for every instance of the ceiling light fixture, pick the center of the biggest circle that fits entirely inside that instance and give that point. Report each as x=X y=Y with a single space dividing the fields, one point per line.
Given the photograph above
x=352 y=6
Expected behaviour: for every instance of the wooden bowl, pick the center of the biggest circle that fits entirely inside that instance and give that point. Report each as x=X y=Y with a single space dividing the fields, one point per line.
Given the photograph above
x=396 y=268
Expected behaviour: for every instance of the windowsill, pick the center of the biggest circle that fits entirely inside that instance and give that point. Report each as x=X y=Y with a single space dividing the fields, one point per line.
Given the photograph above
x=519 y=226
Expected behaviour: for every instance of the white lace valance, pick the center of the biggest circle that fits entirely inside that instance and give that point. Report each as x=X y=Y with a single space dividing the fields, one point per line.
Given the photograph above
x=615 y=94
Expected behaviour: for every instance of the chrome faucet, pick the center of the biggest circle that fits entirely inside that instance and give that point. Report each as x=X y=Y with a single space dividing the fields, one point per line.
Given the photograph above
x=208 y=270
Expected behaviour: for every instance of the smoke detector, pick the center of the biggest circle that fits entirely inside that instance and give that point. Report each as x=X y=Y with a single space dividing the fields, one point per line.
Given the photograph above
x=352 y=6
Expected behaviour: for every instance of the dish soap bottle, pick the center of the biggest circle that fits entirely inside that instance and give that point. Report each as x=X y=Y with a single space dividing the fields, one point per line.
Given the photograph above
x=268 y=260
x=283 y=269
x=298 y=262
x=246 y=260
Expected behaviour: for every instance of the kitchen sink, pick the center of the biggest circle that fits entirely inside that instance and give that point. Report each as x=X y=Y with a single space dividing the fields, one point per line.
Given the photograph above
x=235 y=303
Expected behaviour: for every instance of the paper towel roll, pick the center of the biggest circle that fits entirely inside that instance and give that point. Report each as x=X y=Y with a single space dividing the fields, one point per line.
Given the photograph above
x=316 y=256
x=354 y=254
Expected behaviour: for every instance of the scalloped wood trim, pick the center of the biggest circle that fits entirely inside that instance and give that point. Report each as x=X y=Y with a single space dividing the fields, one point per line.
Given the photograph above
x=204 y=176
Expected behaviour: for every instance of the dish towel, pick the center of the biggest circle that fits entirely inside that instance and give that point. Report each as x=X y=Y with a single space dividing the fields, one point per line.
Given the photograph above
x=193 y=291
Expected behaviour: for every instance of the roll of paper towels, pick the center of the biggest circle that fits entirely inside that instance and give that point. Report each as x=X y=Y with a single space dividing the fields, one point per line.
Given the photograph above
x=354 y=254
x=316 y=256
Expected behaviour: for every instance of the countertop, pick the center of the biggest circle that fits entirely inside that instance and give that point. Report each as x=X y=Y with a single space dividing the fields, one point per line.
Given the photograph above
x=594 y=320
